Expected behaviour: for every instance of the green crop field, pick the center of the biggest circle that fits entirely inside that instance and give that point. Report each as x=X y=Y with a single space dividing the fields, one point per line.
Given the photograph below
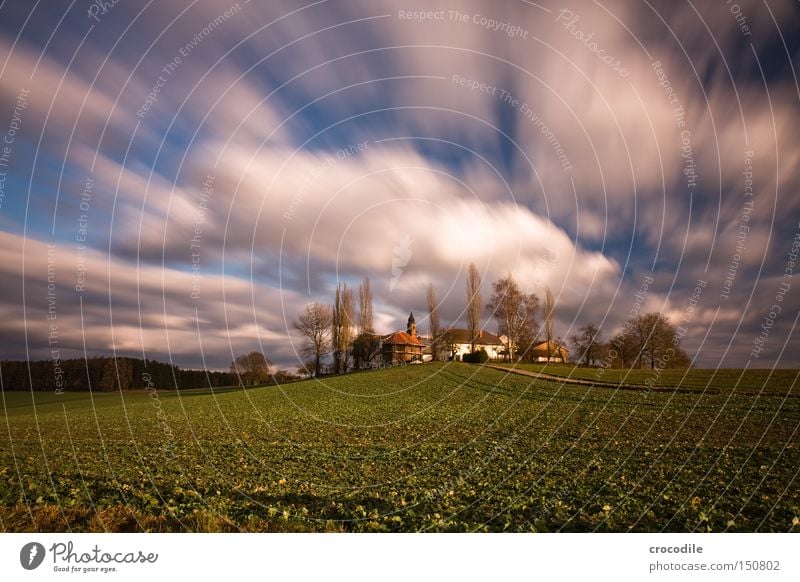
x=436 y=447
x=752 y=381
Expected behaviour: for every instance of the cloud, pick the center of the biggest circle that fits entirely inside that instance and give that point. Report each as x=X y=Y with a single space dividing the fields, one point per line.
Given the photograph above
x=134 y=309
x=296 y=146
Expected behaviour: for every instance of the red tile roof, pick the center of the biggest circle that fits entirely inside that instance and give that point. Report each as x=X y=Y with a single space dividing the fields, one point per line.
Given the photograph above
x=462 y=336
x=401 y=338
x=555 y=347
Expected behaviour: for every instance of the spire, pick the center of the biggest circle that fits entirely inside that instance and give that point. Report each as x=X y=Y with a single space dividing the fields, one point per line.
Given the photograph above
x=412 y=325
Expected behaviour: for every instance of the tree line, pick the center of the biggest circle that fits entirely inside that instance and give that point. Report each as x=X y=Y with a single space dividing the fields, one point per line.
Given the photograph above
x=106 y=374
x=648 y=340
x=514 y=311
x=338 y=330
x=344 y=330
x=255 y=369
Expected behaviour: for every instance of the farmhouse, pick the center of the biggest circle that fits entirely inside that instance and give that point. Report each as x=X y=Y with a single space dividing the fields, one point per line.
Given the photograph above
x=460 y=343
x=402 y=347
x=550 y=352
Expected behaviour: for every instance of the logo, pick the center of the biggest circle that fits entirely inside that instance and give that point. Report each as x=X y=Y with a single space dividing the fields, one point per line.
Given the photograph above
x=31 y=555
x=402 y=254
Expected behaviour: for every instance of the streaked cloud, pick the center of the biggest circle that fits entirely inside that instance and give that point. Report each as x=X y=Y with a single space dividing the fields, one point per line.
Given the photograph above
x=288 y=147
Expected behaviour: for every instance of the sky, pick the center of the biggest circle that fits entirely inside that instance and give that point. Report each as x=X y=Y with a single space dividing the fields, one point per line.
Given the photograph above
x=178 y=180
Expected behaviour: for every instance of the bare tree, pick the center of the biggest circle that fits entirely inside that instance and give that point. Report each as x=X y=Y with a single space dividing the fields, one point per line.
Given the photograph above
x=515 y=313
x=365 y=344
x=433 y=321
x=588 y=344
x=549 y=309
x=648 y=340
x=622 y=350
x=314 y=324
x=365 y=307
x=305 y=370
x=653 y=334
x=252 y=368
x=473 y=303
x=342 y=326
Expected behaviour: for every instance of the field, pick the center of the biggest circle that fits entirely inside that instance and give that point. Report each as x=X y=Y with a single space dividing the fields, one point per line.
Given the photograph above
x=435 y=447
x=753 y=381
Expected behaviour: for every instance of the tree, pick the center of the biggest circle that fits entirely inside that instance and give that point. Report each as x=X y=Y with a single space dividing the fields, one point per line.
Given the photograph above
x=477 y=357
x=341 y=327
x=515 y=313
x=305 y=370
x=449 y=343
x=433 y=321
x=648 y=340
x=653 y=334
x=108 y=379
x=588 y=344
x=528 y=337
x=549 y=309
x=365 y=307
x=252 y=368
x=284 y=377
x=366 y=344
x=365 y=348
x=473 y=303
x=314 y=324
x=622 y=350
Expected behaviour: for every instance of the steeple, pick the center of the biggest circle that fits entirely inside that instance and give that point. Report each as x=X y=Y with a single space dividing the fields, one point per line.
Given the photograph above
x=412 y=325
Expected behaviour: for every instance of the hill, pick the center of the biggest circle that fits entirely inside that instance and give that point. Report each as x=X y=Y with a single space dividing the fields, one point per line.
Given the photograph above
x=754 y=381
x=436 y=447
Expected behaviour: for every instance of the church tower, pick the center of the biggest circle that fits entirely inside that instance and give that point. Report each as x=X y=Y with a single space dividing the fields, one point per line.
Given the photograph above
x=412 y=325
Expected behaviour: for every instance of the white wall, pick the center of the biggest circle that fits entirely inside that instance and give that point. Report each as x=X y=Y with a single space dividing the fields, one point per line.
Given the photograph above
x=493 y=351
